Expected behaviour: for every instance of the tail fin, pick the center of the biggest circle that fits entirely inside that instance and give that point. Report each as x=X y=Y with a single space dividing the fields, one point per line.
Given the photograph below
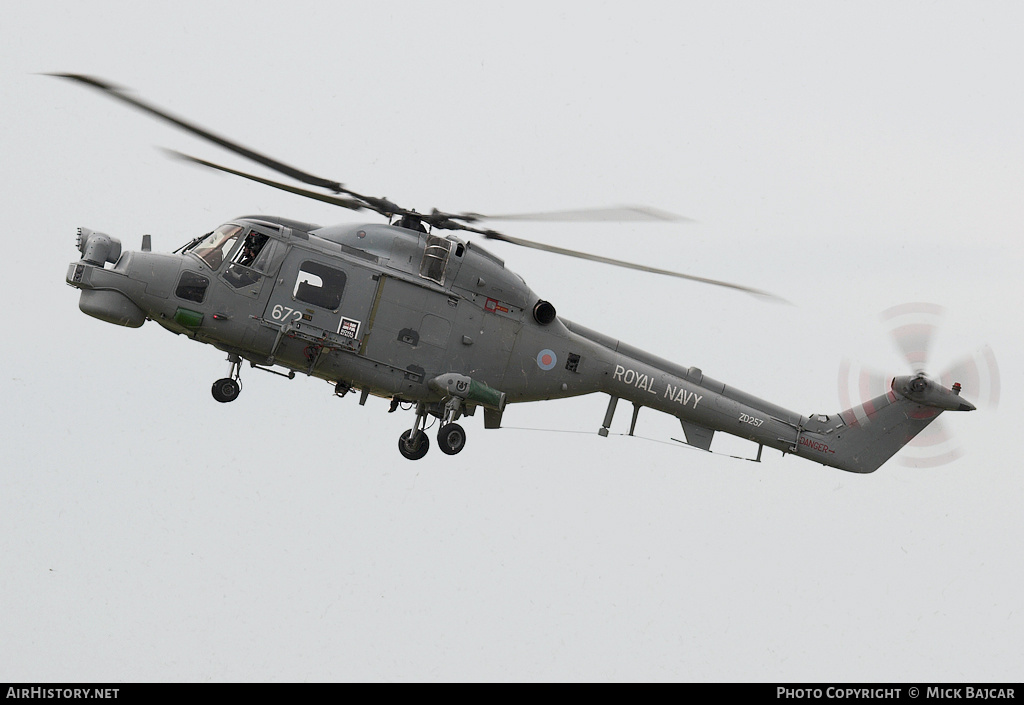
x=872 y=433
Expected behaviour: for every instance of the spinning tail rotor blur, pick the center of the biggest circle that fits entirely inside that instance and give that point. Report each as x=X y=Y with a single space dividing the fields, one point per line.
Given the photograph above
x=975 y=375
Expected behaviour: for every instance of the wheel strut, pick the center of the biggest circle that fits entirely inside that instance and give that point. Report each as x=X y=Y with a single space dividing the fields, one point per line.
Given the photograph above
x=451 y=437
x=414 y=444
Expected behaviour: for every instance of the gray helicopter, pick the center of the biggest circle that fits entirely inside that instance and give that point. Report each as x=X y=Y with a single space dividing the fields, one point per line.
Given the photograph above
x=437 y=322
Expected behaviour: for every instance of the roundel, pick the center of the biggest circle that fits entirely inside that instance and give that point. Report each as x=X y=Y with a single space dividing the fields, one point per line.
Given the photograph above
x=546 y=359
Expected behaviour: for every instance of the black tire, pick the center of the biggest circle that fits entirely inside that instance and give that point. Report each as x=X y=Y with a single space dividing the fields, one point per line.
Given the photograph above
x=225 y=390
x=415 y=448
x=451 y=439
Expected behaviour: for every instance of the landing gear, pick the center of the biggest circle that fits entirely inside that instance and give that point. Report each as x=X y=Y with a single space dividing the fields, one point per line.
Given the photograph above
x=225 y=390
x=451 y=438
x=413 y=446
x=228 y=388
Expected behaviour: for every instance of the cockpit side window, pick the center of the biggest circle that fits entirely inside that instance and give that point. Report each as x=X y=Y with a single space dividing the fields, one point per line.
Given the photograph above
x=216 y=246
x=249 y=257
x=250 y=250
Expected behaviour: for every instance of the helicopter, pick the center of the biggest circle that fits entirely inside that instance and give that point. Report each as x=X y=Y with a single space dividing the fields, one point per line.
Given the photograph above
x=437 y=323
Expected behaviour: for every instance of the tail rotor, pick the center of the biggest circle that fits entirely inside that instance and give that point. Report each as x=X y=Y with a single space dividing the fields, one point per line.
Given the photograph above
x=913 y=327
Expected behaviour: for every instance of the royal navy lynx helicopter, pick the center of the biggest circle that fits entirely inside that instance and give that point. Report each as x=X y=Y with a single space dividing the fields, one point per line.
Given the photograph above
x=436 y=322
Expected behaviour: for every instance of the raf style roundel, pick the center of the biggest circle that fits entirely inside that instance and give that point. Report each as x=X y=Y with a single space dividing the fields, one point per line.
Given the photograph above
x=546 y=359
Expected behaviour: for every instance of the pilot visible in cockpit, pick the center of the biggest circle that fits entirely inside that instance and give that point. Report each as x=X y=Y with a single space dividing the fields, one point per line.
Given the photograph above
x=251 y=249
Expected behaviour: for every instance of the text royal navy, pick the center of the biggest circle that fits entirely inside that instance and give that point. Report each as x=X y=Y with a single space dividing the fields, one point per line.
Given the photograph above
x=647 y=383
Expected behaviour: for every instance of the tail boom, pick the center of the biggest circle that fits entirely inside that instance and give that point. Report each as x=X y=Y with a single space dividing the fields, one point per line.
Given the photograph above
x=856 y=440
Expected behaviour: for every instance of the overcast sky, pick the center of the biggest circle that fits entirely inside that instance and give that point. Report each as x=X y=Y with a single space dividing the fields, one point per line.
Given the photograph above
x=848 y=157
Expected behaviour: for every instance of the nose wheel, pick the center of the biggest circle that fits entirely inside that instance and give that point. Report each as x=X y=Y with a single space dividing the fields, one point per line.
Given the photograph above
x=228 y=388
x=225 y=390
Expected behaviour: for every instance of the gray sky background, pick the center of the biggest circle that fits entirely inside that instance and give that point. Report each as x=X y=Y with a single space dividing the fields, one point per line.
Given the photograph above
x=845 y=156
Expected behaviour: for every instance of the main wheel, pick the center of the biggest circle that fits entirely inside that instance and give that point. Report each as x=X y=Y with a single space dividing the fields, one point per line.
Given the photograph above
x=413 y=447
x=225 y=390
x=451 y=438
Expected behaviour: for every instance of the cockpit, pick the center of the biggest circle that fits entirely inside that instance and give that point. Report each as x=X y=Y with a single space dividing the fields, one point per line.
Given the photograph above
x=217 y=246
x=214 y=247
x=245 y=250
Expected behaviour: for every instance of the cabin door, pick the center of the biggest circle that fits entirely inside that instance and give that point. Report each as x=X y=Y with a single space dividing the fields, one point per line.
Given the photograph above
x=320 y=294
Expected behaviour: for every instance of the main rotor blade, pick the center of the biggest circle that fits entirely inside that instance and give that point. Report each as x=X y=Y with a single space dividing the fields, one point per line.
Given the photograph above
x=492 y=235
x=349 y=203
x=380 y=205
x=120 y=94
x=615 y=214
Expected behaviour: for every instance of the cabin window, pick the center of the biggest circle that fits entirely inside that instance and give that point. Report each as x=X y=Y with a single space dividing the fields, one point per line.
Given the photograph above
x=215 y=247
x=192 y=287
x=435 y=258
x=319 y=285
